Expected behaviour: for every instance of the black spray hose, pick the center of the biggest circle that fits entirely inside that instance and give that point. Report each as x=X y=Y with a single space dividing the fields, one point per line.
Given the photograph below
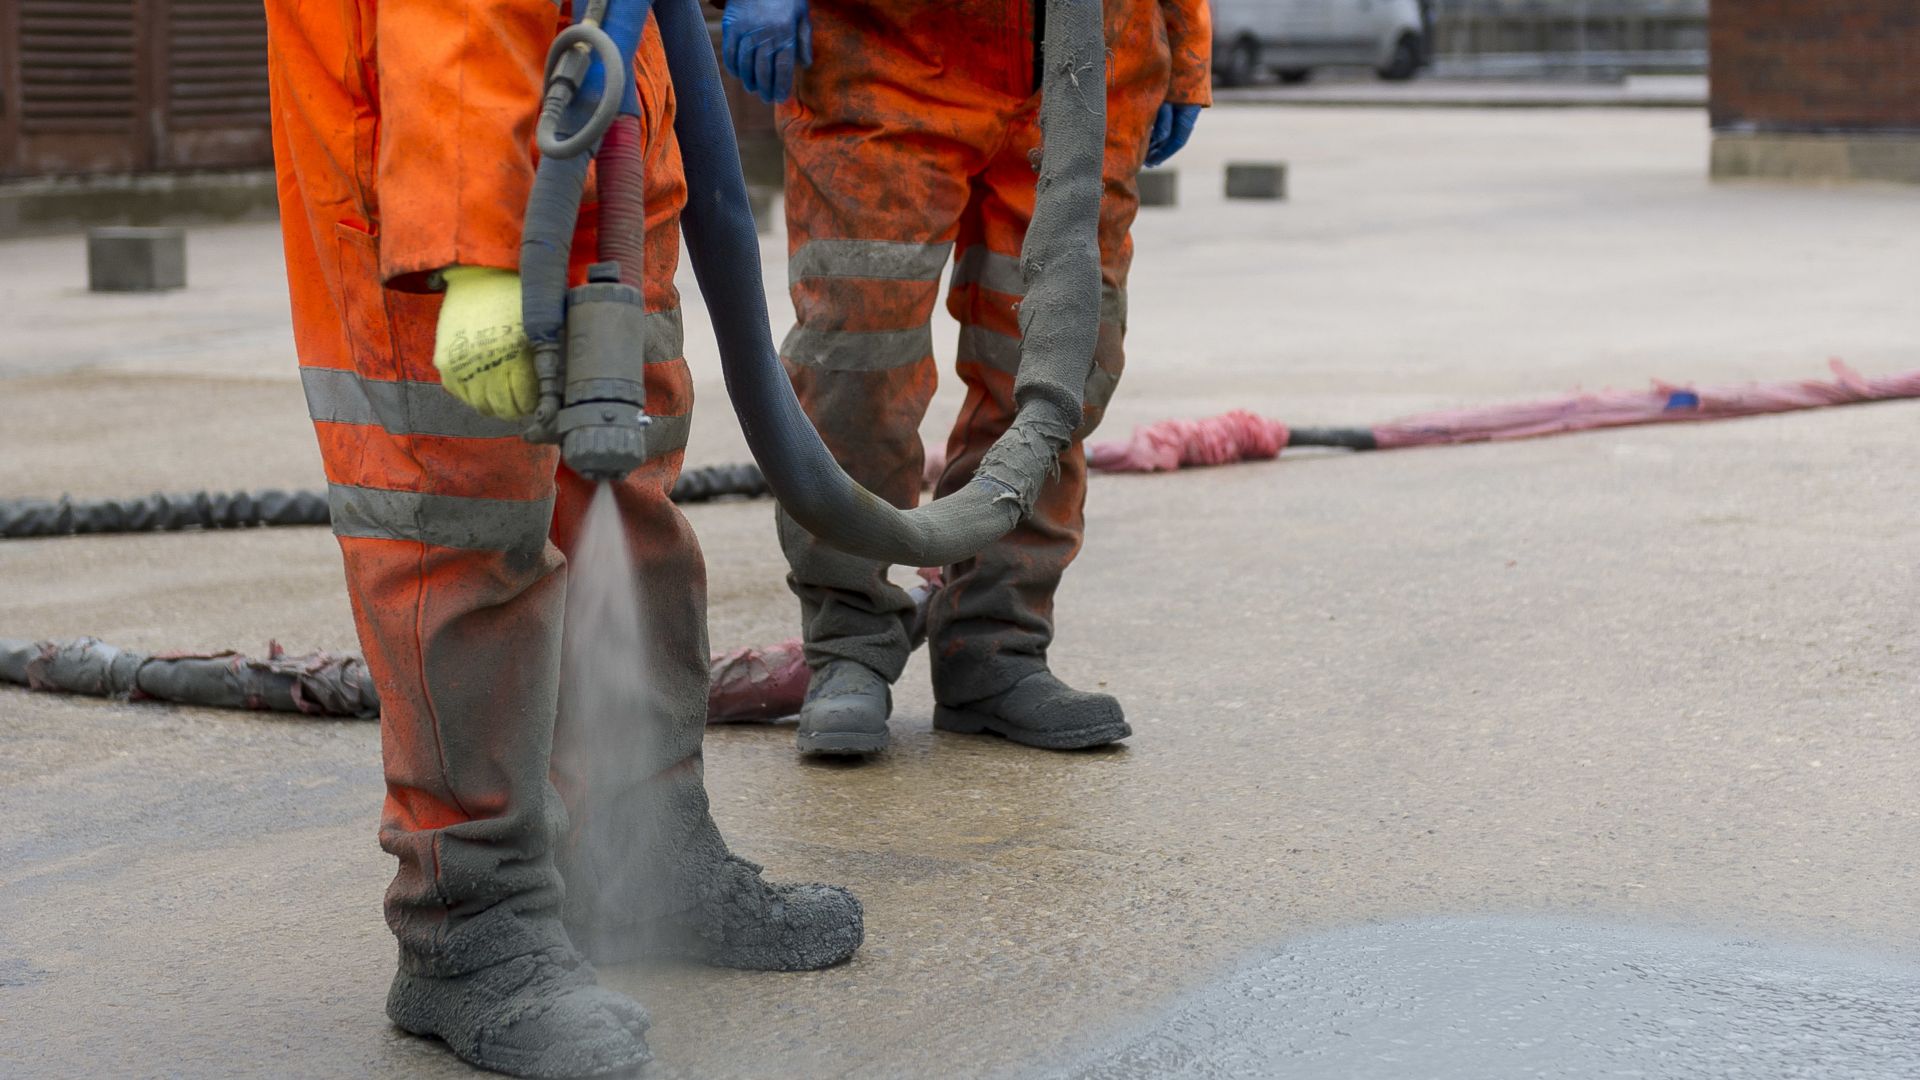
x=1059 y=317
x=546 y=245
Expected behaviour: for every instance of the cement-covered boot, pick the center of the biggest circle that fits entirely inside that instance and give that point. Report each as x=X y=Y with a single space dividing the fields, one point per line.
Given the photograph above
x=647 y=871
x=735 y=918
x=1041 y=711
x=536 y=1015
x=845 y=711
x=747 y=922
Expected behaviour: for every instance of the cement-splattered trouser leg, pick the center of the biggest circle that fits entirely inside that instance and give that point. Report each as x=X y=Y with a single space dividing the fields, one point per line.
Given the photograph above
x=442 y=517
x=874 y=188
x=910 y=132
x=453 y=529
x=992 y=623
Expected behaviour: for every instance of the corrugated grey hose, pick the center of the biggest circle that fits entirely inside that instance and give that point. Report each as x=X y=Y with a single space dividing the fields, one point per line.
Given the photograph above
x=22 y=519
x=1059 y=318
x=318 y=684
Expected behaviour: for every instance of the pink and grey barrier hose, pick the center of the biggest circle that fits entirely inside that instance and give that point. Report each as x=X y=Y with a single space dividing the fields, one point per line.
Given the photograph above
x=1163 y=446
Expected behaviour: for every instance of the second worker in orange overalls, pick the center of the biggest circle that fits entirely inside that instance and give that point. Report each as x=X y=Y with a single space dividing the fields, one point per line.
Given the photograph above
x=911 y=128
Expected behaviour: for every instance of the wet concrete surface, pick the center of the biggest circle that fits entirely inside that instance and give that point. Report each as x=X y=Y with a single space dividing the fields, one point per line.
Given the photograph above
x=1660 y=676
x=1469 y=999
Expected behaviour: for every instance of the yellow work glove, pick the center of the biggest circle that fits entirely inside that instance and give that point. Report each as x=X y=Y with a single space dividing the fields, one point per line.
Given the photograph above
x=481 y=348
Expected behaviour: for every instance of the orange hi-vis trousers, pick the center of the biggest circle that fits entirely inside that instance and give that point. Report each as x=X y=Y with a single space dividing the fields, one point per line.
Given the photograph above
x=402 y=143
x=910 y=142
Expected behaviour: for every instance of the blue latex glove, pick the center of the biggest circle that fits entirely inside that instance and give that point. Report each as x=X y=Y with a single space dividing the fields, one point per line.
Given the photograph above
x=1172 y=127
x=761 y=40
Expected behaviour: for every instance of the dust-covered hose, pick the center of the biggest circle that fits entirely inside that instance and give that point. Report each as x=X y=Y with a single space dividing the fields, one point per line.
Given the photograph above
x=553 y=204
x=1059 y=318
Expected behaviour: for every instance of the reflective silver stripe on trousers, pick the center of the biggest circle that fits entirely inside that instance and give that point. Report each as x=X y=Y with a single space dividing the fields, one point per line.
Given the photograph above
x=666 y=336
x=1002 y=353
x=415 y=407
x=335 y=396
x=424 y=408
x=862 y=350
x=997 y=350
x=857 y=350
x=451 y=521
x=667 y=434
x=983 y=346
x=1001 y=273
x=1100 y=387
x=982 y=266
x=887 y=260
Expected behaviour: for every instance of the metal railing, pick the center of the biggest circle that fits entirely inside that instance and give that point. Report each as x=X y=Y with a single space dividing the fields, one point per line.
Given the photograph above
x=1572 y=38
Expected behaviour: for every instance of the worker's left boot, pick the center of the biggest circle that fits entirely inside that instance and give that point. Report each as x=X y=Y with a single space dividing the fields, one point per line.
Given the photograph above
x=649 y=875
x=741 y=920
x=1041 y=711
x=846 y=710
x=695 y=900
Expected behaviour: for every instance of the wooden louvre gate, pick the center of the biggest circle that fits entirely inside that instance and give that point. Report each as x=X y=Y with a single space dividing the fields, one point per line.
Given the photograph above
x=115 y=86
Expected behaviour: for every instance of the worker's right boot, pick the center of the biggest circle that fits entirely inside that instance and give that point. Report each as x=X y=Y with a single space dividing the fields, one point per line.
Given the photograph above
x=536 y=1015
x=846 y=710
x=1040 y=711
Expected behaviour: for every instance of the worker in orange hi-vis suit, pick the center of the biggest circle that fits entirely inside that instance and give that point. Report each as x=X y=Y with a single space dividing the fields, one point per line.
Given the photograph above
x=403 y=146
x=910 y=131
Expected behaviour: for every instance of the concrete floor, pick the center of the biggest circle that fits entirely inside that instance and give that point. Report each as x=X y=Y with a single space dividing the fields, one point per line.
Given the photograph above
x=1654 y=677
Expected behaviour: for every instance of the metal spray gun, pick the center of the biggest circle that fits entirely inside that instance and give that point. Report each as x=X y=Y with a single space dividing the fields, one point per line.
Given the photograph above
x=593 y=395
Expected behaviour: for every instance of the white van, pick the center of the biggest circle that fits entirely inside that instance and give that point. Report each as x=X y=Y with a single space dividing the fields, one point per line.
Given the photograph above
x=1292 y=37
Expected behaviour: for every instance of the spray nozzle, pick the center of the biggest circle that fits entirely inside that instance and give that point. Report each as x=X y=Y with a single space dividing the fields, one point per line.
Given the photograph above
x=596 y=392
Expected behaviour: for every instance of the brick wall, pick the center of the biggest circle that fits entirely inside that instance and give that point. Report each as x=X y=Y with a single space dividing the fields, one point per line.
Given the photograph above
x=1815 y=65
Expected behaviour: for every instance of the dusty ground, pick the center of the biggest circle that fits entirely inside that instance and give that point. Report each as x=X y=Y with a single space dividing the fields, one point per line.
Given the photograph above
x=1656 y=676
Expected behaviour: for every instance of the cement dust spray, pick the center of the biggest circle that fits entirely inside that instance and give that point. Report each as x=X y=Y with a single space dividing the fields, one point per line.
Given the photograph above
x=608 y=743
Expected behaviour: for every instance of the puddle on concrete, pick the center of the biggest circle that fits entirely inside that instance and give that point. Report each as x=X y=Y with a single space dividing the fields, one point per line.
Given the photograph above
x=1488 y=999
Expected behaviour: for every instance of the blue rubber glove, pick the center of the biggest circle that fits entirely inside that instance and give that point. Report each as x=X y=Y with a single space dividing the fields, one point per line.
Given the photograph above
x=761 y=40
x=1172 y=127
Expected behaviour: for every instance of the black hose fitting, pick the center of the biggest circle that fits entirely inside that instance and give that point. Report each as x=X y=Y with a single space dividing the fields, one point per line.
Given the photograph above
x=602 y=425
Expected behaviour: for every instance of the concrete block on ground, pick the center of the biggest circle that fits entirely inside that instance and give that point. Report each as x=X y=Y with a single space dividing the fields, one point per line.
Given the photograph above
x=1159 y=187
x=1257 y=180
x=136 y=259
